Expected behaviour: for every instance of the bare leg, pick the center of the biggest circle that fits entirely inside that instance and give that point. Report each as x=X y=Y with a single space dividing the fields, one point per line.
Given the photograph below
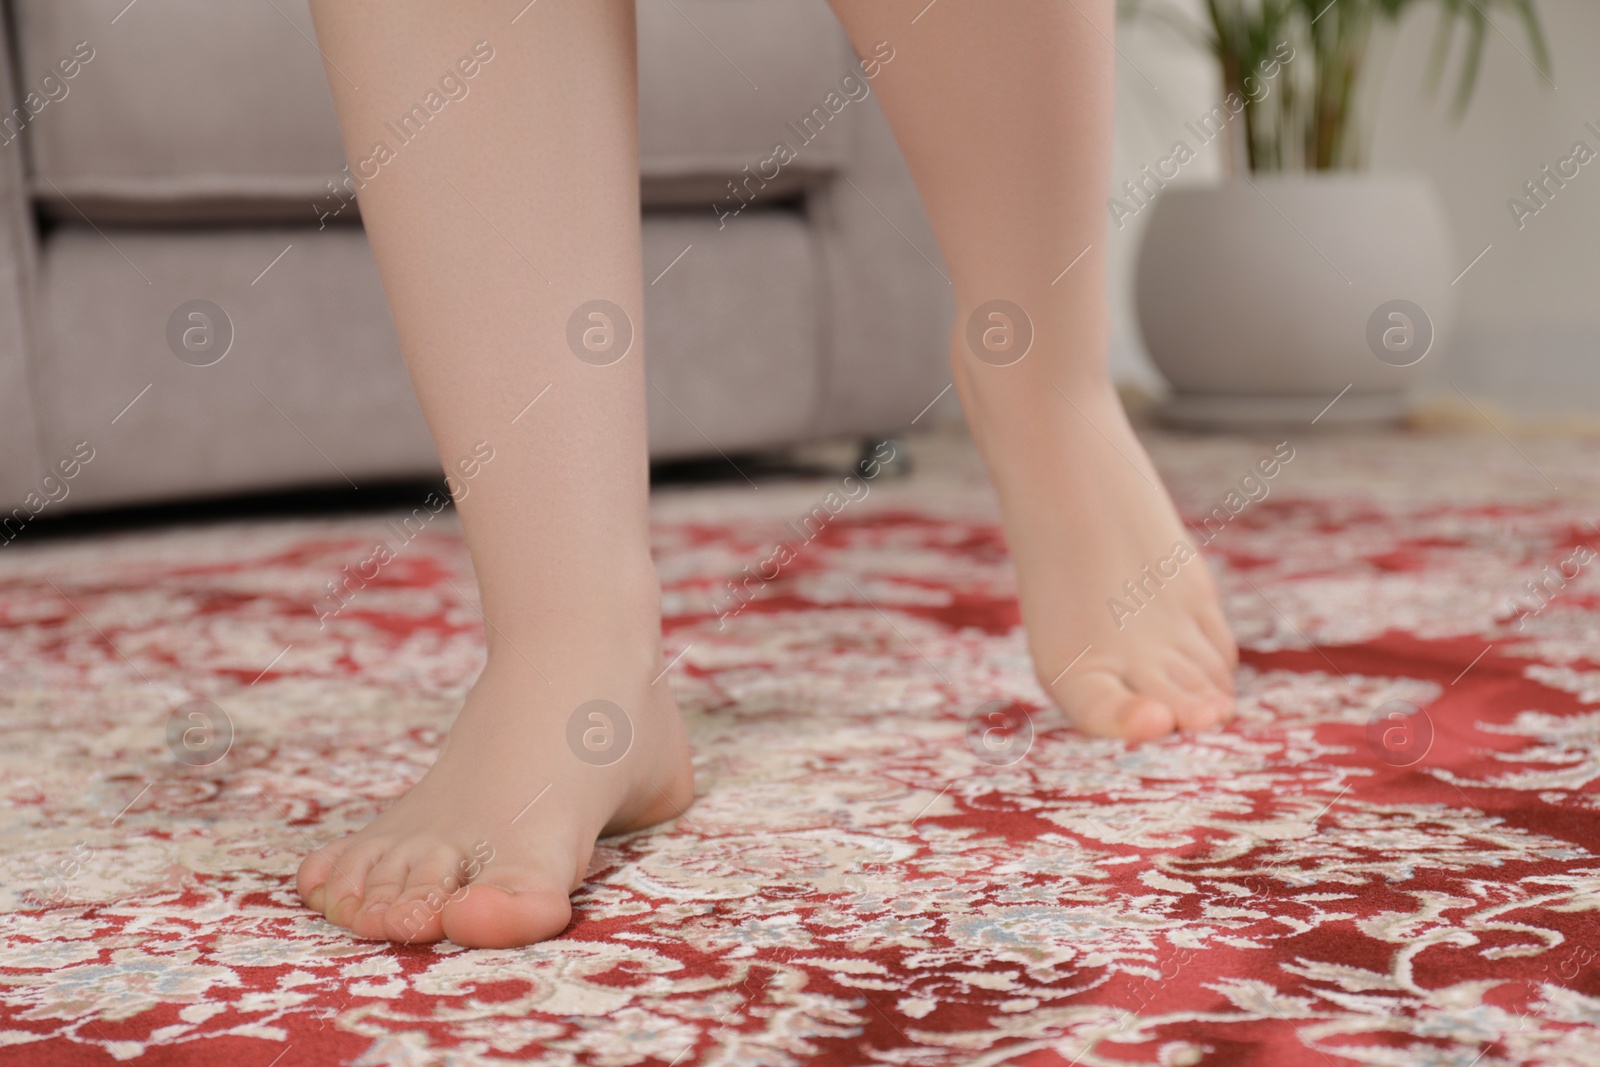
x=1004 y=113
x=513 y=206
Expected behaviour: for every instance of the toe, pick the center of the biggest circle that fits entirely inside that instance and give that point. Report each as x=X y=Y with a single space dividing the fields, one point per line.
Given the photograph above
x=325 y=875
x=1181 y=693
x=312 y=878
x=1226 y=699
x=347 y=881
x=1215 y=628
x=1200 y=714
x=432 y=881
x=503 y=910
x=1101 y=704
x=1196 y=702
x=1199 y=648
x=384 y=884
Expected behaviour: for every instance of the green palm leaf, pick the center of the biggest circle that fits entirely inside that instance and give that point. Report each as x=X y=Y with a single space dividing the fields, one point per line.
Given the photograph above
x=1303 y=116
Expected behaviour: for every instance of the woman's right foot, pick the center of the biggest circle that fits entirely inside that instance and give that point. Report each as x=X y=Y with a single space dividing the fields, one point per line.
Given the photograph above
x=486 y=848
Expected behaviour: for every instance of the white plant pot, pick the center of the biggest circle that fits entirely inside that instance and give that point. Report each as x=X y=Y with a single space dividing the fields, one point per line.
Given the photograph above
x=1262 y=299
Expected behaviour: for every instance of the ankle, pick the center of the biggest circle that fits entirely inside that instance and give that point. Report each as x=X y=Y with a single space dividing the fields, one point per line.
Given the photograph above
x=1040 y=416
x=1041 y=381
x=559 y=627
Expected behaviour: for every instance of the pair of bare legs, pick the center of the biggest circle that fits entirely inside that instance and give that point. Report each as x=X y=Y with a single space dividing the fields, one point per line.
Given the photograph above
x=1004 y=114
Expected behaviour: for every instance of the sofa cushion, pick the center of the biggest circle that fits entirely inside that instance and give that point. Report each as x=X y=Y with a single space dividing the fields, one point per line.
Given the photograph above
x=196 y=111
x=311 y=389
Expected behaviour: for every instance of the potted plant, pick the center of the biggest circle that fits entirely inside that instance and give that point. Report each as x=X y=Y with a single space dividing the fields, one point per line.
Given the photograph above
x=1300 y=276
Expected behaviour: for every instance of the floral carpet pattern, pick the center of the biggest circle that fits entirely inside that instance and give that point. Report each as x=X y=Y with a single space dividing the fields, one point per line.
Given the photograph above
x=1392 y=857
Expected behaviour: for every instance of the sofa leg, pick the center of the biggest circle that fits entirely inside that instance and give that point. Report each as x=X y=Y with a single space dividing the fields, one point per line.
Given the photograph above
x=883 y=457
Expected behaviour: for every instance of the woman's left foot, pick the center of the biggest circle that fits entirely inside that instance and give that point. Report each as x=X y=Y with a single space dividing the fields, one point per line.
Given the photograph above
x=1124 y=626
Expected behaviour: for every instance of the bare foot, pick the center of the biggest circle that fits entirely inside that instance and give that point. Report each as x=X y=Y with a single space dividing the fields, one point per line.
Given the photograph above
x=1122 y=616
x=485 y=849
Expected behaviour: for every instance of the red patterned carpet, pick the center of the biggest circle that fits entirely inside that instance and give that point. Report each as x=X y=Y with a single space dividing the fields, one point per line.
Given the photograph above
x=854 y=885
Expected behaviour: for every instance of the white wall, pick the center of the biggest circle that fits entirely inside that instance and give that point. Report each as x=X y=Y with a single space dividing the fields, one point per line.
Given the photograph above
x=1529 y=333
x=1161 y=83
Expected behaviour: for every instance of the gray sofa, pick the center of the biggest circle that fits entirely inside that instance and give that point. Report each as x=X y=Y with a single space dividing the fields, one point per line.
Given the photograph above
x=177 y=150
